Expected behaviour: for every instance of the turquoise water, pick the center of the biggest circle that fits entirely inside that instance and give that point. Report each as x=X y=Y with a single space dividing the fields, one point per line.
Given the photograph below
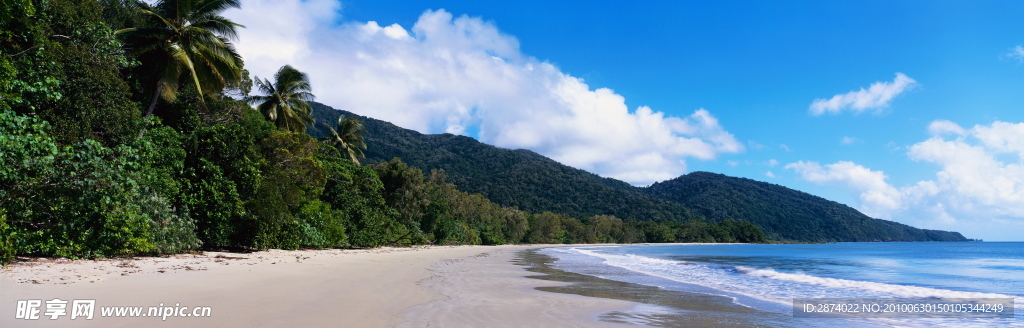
x=769 y=277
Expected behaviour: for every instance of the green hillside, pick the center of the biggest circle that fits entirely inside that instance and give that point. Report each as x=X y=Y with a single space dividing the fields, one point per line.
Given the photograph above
x=520 y=178
x=535 y=183
x=783 y=213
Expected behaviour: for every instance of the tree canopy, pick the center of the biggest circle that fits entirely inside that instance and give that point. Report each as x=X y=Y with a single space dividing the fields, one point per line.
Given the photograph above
x=348 y=138
x=285 y=101
x=184 y=39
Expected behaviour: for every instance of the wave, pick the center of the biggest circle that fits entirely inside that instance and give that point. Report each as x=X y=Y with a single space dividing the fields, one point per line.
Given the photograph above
x=771 y=285
x=891 y=289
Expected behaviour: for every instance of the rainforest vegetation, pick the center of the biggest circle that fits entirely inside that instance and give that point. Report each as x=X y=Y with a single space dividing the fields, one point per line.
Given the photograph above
x=531 y=182
x=134 y=128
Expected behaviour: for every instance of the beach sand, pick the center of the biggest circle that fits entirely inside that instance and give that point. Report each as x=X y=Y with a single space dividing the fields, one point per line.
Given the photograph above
x=457 y=286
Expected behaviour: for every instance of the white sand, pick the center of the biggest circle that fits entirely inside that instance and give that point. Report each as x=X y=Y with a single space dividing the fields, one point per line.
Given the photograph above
x=464 y=286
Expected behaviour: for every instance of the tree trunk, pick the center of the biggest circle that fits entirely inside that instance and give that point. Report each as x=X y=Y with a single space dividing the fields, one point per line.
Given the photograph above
x=156 y=96
x=152 y=106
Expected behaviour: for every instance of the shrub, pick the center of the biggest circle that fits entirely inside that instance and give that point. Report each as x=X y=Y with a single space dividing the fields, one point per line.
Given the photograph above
x=6 y=241
x=70 y=201
x=172 y=231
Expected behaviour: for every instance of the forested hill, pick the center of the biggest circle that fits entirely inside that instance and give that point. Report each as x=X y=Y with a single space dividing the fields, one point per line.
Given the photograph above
x=520 y=178
x=535 y=183
x=783 y=213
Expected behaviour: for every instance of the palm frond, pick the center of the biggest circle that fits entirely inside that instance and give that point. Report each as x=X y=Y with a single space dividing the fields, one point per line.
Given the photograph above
x=186 y=37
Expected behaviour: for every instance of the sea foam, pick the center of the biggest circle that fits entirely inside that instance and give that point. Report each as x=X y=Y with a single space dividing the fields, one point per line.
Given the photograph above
x=770 y=285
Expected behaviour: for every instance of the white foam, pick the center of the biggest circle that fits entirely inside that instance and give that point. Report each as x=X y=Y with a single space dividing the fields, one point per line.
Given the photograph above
x=893 y=290
x=771 y=285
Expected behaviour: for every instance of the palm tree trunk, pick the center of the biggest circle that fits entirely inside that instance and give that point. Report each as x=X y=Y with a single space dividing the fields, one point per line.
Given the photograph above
x=156 y=96
x=152 y=106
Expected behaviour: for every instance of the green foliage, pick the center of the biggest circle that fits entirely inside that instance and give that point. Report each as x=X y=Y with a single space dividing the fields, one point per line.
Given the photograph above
x=441 y=214
x=60 y=61
x=448 y=231
x=290 y=176
x=348 y=138
x=742 y=232
x=405 y=190
x=184 y=40
x=71 y=201
x=163 y=156
x=511 y=178
x=218 y=157
x=215 y=204
x=7 y=250
x=326 y=226
x=172 y=231
x=358 y=191
x=545 y=228
x=285 y=101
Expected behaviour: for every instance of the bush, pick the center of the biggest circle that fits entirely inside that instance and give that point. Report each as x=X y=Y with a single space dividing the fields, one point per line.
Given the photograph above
x=74 y=201
x=6 y=241
x=358 y=192
x=173 y=231
x=453 y=232
x=326 y=225
x=215 y=204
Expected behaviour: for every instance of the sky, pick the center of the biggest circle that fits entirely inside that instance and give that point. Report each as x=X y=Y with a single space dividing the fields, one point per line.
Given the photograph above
x=908 y=111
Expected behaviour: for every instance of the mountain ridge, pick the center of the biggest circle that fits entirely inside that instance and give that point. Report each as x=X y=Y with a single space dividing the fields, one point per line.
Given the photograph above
x=532 y=182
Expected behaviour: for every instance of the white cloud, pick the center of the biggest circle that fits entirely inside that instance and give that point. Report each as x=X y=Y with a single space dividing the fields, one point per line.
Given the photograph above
x=772 y=162
x=877 y=197
x=849 y=140
x=972 y=189
x=450 y=74
x=876 y=97
x=1002 y=137
x=1016 y=53
x=944 y=127
x=770 y=174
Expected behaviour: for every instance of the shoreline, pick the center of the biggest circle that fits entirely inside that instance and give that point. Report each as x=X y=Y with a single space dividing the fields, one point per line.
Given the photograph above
x=383 y=287
x=497 y=289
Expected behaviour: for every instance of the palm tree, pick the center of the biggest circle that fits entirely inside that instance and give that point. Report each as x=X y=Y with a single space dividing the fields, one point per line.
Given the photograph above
x=348 y=138
x=185 y=39
x=286 y=101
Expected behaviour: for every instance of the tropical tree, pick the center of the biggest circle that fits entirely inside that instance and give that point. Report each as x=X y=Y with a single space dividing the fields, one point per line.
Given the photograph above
x=184 y=39
x=286 y=101
x=348 y=138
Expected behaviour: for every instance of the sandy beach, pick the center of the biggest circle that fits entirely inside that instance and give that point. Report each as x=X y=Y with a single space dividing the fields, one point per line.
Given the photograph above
x=458 y=286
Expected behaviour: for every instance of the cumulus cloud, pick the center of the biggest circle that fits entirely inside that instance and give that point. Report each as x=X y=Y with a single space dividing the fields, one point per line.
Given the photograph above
x=876 y=97
x=457 y=74
x=975 y=184
x=877 y=197
x=849 y=140
x=973 y=180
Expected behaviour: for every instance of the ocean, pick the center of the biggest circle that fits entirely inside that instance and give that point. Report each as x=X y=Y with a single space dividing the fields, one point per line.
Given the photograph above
x=765 y=278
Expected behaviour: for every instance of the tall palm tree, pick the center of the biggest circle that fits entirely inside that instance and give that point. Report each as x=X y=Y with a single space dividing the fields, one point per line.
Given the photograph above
x=348 y=138
x=286 y=101
x=185 y=39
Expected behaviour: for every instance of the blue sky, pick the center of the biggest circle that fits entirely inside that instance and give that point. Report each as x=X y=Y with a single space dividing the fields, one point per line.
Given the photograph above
x=645 y=91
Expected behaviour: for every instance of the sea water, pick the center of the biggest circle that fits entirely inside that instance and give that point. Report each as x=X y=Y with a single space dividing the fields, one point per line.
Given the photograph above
x=767 y=277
